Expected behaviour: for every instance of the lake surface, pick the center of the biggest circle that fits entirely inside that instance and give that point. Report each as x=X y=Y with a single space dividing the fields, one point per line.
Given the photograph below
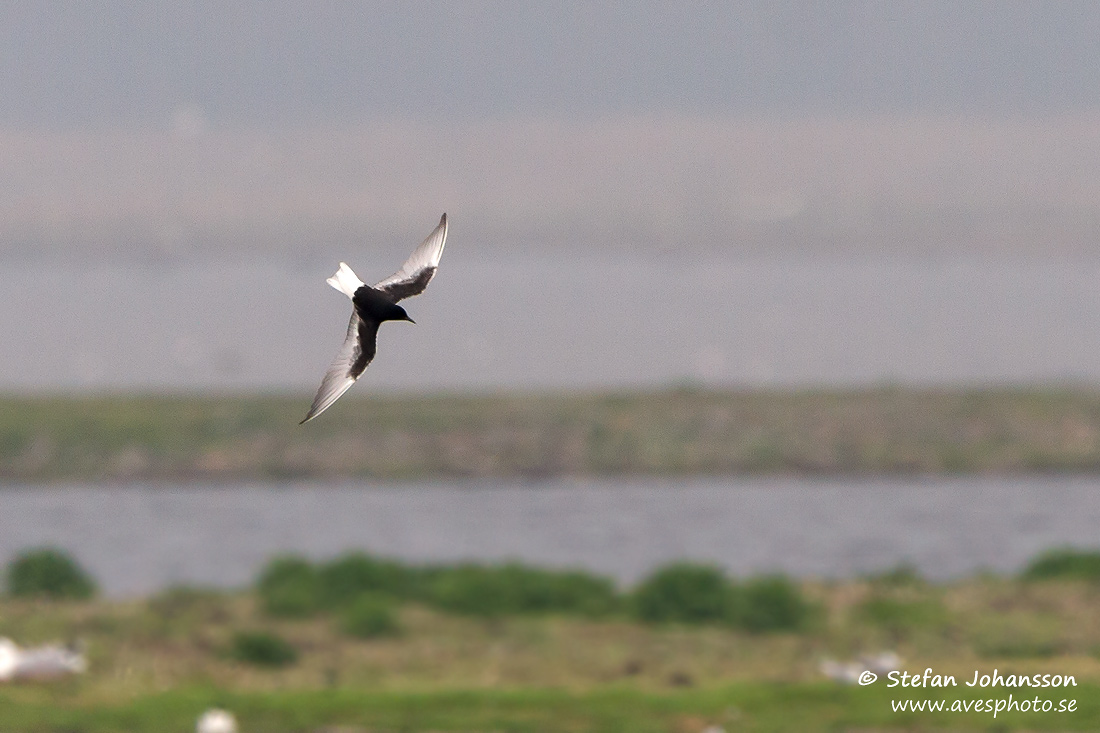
x=137 y=539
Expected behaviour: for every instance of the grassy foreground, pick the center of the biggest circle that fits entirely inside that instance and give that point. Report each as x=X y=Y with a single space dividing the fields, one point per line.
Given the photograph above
x=155 y=664
x=805 y=708
x=677 y=431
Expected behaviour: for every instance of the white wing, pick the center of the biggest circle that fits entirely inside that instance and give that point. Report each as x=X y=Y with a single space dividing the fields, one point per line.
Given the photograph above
x=339 y=377
x=418 y=270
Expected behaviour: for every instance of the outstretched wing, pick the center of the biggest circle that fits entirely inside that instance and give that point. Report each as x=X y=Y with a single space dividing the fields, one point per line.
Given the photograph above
x=418 y=270
x=352 y=359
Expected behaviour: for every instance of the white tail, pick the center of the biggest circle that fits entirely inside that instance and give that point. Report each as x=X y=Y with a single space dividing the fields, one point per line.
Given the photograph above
x=345 y=280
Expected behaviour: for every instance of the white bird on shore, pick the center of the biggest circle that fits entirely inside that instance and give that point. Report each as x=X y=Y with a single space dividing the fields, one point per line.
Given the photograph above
x=216 y=721
x=848 y=673
x=881 y=663
x=9 y=659
x=43 y=663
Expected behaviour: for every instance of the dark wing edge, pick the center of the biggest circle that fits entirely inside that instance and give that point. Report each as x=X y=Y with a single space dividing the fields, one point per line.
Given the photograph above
x=341 y=373
x=418 y=270
x=368 y=345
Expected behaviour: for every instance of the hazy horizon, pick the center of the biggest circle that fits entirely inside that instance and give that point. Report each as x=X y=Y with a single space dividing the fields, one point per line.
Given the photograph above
x=920 y=185
x=752 y=193
x=153 y=131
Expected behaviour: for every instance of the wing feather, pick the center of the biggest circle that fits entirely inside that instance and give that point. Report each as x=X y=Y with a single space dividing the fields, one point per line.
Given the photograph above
x=343 y=371
x=419 y=269
x=360 y=342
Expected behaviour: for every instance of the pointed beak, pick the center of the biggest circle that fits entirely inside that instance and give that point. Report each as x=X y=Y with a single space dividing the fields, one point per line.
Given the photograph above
x=410 y=320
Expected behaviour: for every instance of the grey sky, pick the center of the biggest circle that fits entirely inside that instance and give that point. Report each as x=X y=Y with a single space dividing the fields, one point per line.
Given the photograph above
x=278 y=62
x=709 y=138
x=161 y=129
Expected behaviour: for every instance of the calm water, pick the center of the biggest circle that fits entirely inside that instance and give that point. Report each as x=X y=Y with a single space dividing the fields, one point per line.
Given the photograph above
x=140 y=538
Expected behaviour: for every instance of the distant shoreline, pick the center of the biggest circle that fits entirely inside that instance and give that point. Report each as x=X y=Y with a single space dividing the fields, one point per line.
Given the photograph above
x=883 y=431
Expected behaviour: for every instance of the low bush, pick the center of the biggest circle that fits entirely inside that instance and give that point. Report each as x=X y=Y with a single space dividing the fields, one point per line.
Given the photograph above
x=346 y=578
x=289 y=587
x=473 y=590
x=1065 y=563
x=536 y=590
x=370 y=617
x=48 y=573
x=687 y=593
x=773 y=603
x=479 y=590
x=262 y=649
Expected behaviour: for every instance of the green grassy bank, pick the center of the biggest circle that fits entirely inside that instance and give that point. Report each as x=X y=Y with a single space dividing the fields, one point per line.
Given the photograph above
x=751 y=707
x=528 y=657
x=674 y=432
x=155 y=664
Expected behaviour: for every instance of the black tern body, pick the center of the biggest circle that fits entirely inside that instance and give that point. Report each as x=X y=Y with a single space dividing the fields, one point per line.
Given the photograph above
x=371 y=305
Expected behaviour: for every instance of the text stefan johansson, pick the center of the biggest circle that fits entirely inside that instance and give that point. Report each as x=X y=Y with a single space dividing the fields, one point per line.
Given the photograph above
x=931 y=679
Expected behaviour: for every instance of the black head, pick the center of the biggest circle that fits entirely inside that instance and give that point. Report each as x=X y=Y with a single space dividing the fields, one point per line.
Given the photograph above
x=392 y=312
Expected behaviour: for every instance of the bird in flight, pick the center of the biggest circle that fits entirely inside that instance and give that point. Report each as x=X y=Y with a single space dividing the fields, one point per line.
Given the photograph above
x=370 y=306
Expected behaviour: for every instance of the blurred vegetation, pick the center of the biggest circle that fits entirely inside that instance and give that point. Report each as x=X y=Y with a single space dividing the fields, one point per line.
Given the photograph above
x=289 y=588
x=901 y=617
x=263 y=649
x=489 y=591
x=370 y=617
x=774 y=603
x=381 y=652
x=48 y=573
x=686 y=593
x=749 y=707
x=1065 y=563
x=354 y=574
x=675 y=431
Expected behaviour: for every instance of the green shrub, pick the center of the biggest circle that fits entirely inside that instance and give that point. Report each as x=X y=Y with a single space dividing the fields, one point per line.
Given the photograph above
x=687 y=593
x=289 y=587
x=576 y=591
x=534 y=590
x=370 y=617
x=346 y=578
x=48 y=573
x=472 y=590
x=517 y=589
x=1065 y=563
x=773 y=603
x=262 y=649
